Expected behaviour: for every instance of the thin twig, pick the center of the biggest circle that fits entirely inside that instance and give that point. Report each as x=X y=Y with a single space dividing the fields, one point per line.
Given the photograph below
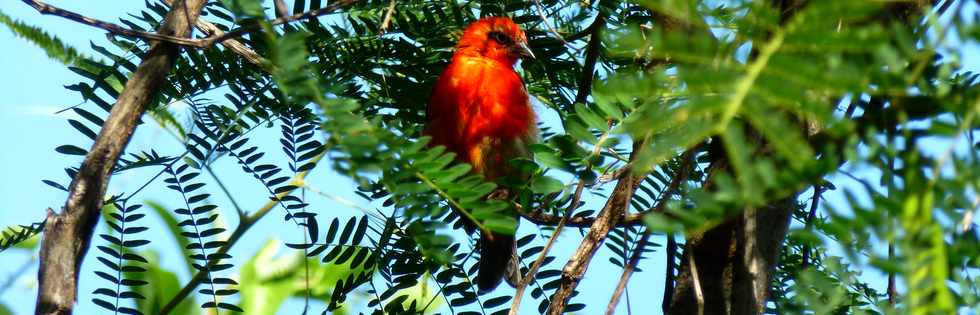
x=892 y=286
x=20 y=271
x=627 y=272
x=541 y=218
x=544 y=18
x=665 y=197
x=669 y=276
x=387 y=19
x=533 y=271
x=224 y=189
x=206 y=42
x=817 y=191
x=232 y=44
x=698 y=294
x=45 y=9
x=246 y=223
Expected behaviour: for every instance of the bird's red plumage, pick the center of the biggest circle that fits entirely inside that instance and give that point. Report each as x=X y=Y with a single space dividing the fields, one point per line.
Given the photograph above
x=480 y=110
x=480 y=98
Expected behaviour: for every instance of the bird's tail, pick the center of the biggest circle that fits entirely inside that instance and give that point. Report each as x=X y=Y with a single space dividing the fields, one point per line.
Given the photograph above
x=498 y=261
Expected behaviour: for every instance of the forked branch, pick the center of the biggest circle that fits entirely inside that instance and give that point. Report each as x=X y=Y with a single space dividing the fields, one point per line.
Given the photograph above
x=616 y=206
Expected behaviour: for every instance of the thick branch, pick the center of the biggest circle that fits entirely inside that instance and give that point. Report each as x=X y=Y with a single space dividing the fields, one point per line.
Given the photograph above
x=206 y=42
x=616 y=206
x=68 y=234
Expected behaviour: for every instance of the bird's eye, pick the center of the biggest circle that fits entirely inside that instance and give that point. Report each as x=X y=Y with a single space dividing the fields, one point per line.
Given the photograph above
x=500 y=37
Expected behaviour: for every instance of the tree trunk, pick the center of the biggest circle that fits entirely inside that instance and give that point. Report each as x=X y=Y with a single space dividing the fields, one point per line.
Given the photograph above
x=733 y=262
x=67 y=235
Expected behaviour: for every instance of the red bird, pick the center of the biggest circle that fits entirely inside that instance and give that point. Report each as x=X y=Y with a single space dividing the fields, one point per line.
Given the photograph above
x=481 y=111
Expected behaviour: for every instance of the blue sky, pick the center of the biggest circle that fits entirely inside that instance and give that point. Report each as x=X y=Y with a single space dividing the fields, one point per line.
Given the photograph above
x=33 y=92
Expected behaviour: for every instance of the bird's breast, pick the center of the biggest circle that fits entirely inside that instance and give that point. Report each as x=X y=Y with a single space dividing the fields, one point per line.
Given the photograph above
x=481 y=110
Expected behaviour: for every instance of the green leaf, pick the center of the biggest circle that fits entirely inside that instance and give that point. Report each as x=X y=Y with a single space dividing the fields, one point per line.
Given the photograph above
x=70 y=150
x=165 y=286
x=174 y=229
x=501 y=224
x=546 y=185
x=245 y=8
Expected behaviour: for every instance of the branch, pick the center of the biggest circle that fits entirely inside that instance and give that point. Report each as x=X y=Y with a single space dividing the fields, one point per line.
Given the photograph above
x=281 y=8
x=627 y=272
x=667 y=195
x=206 y=42
x=698 y=293
x=533 y=271
x=541 y=218
x=671 y=251
x=544 y=18
x=386 y=21
x=245 y=224
x=892 y=287
x=233 y=44
x=591 y=57
x=68 y=234
x=817 y=191
x=616 y=206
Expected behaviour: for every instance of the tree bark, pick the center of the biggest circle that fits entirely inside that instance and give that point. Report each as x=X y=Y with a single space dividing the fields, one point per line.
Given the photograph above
x=616 y=207
x=68 y=234
x=734 y=262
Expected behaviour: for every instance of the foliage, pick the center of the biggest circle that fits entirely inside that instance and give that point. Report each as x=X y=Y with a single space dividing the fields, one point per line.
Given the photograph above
x=765 y=102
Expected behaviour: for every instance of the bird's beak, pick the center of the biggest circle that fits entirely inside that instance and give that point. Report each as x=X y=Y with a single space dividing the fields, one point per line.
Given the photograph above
x=524 y=50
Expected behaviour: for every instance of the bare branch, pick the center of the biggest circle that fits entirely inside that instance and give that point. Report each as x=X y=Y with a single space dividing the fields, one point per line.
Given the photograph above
x=892 y=286
x=281 y=8
x=591 y=57
x=233 y=44
x=544 y=18
x=614 y=210
x=666 y=196
x=533 y=271
x=698 y=295
x=542 y=218
x=206 y=42
x=817 y=191
x=627 y=272
x=670 y=250
x=387 y=19
x=68 y=234
x=46 y=9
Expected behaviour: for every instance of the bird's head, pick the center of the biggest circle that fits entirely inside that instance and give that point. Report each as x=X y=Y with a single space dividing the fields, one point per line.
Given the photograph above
x=497 y=38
